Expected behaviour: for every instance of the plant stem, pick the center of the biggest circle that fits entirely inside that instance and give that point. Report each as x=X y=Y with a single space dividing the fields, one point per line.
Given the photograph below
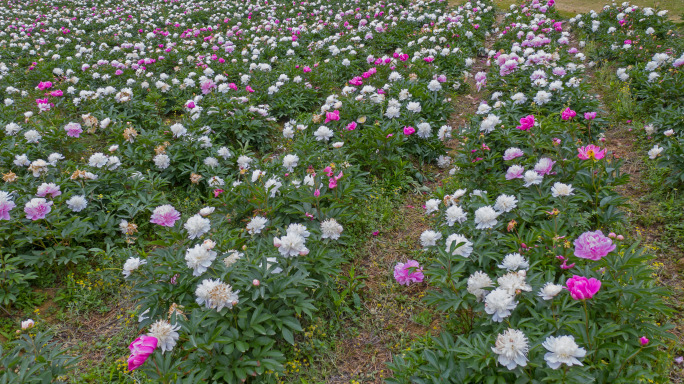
x=626 y=360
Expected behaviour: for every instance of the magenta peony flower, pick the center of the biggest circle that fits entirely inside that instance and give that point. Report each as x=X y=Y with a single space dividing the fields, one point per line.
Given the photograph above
x=37 y=208
x=43 y=85
x=409 y=131
x=332 y=116
x=593 y=245
x=590 y=115
x=643 y=340
x=526 y=123
x=409 y=272
x=165 y=215
x=568 y=114
x=591 y=151
x=141 y=349
x=582 y=288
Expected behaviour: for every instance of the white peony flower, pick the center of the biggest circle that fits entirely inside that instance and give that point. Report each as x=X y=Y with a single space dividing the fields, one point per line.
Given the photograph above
x=199 y=258
x=499 y=303
x=215 y=294
x=562 y=350
x=77 y=203
x=532 y=178
x=505 y=203
x=256 y=225
x=465 y=249
x=560 y=189
x=197 y=226
x=165 y=333
x=132 y=264
x=429 y=238
x=431 y=205
x=476 y=284
x=455 y=214
x=549 y=291
x=514 y=262
x=331 y=229
x=512 y=348
x=485 y=217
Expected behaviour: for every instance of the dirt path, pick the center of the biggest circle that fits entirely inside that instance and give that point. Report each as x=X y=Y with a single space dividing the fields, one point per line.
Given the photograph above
x=393 y=316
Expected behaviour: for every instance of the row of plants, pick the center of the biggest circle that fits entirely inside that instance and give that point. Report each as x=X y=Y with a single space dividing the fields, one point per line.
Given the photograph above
x=528 y=257
x=211 y=158
x=646 y=50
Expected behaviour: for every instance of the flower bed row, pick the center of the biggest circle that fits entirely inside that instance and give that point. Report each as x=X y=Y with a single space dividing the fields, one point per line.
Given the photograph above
x=175 y=144
x=523 y=258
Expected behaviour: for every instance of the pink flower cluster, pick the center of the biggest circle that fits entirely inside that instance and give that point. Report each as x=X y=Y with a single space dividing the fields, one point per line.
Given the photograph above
x=165 y=215
x=582 y=288
x=593 y=246
x=526 y=123
x=568 y=114
x=592 y=152
x=409 y=272
x=141 y=348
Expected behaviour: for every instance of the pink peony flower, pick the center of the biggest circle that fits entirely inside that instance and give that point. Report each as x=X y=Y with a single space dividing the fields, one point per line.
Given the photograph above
x=512 y=153
x=591 y=151
x=590 y=115
x=409 y=272
x=515 y=172
x=568 y=114
x=643 y=340
x=207 y=85
x=526 y=123
x=332 y=116
x=37 y=208
x=582 y=288
x=351 y=126
x=73 y=129
x=408 y=131
x=544 y=166
x=593 y=245
x=43 y=85
x=165 y=215
x=6 y=205
x=51 y=189
x=141 y=349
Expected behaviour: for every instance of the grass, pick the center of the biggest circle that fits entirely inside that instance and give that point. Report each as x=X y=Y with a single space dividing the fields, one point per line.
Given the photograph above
x=353 y=346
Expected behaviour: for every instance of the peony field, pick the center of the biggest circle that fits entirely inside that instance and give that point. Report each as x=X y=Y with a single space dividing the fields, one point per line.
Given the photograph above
x=341 y=192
